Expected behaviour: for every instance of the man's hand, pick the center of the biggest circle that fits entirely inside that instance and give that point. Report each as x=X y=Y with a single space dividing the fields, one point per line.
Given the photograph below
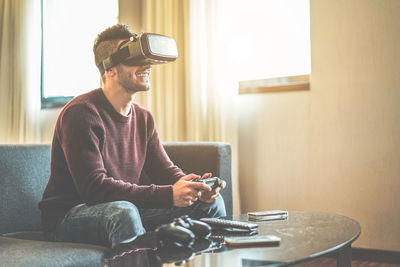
x=210 y=196
x=185 y=192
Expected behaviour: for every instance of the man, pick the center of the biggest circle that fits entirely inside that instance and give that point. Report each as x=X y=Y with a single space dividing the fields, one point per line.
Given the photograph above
x=102 y=142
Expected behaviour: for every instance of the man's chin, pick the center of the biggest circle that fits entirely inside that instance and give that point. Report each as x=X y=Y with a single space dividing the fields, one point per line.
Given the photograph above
x=137 y=89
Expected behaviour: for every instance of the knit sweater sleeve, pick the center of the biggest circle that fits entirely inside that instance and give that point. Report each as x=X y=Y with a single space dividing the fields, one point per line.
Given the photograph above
x=158 y=166
x=82 y=135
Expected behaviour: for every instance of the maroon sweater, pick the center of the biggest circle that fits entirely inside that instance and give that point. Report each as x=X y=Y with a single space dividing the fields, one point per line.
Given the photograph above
x=98 y=155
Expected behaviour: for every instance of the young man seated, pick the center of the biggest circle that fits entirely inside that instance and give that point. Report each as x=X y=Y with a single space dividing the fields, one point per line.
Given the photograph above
x=102 y=143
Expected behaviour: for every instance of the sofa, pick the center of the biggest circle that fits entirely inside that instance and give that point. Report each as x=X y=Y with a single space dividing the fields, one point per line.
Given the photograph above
x=24 y=172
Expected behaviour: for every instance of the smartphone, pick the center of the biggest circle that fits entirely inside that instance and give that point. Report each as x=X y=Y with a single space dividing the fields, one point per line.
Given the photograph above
x=267 y=213
x=259 y=240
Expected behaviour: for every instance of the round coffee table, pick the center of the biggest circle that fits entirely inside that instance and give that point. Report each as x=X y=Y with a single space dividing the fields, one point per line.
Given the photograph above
x=304 y=236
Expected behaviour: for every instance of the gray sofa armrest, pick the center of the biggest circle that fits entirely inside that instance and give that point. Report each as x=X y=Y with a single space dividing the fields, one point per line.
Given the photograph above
x=25 y=170
x=202 y=157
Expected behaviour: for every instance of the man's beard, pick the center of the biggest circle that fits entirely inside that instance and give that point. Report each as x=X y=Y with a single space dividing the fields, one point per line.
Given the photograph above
x=126 y=81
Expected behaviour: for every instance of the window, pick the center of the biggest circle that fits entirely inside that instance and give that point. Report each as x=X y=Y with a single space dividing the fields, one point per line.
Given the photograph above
x=68 y=32
x=272 y=41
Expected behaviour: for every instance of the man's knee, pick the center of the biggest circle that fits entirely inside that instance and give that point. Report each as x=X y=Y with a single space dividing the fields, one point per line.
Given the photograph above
x=215 y=209
x=219 y=207
x=125 y=221
x=124 y=213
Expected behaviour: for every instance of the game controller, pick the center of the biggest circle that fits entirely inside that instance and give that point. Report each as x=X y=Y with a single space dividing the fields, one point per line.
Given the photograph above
x=174 y=234
x=182 y=231
x=212 y=182
x=199 y=229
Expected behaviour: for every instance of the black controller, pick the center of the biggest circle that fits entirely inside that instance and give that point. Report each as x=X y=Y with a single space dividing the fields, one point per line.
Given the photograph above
x=174 y=234
x=182 y=231
x=212 y=182
x=199 y=229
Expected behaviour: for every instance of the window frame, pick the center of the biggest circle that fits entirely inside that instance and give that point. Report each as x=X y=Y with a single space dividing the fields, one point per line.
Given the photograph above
x=273 y=85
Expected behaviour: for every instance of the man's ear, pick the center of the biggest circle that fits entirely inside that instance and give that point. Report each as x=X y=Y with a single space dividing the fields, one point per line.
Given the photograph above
x=110 y=73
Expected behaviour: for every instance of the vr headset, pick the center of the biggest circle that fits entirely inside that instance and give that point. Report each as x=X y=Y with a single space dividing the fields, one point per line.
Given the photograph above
x=147 y=48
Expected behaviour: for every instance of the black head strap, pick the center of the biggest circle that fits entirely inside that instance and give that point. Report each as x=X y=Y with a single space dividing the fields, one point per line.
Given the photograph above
x=116 y=57
x=113 y=60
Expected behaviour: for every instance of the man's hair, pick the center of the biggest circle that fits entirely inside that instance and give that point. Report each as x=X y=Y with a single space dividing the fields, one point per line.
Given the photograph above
x=106 y=42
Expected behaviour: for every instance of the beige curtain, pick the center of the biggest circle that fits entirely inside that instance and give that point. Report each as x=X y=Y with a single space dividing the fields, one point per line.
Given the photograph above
x=166 y=99
x=19 y=71
x=194 y=98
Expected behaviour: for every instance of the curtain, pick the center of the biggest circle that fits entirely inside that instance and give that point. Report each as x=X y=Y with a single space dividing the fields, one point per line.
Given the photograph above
x=166 y=98
x=194 y=98
x=19 y=71
x=212 y=91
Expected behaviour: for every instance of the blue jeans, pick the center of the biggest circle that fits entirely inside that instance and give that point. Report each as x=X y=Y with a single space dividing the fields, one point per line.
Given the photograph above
x=109 y=224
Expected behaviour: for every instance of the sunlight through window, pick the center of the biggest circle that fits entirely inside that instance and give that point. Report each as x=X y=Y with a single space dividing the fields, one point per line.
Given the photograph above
x=270 y=38
x=69 y=30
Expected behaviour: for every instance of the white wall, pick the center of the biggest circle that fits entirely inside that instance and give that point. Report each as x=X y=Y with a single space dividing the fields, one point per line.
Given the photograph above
x=335 y=148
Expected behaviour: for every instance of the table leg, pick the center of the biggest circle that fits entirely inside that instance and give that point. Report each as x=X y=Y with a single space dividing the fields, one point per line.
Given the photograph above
x=344 y=257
